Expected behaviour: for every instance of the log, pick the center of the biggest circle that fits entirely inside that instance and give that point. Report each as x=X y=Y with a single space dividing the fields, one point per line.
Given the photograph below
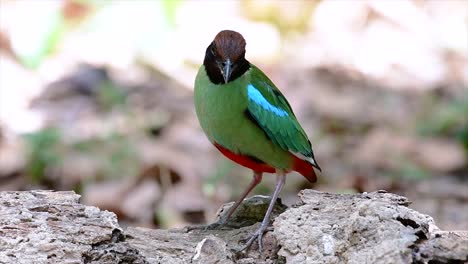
x=377 y=227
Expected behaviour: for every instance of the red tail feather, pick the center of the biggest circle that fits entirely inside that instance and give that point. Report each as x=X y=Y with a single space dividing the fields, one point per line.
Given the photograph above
x=302 y=166
x=305 y=168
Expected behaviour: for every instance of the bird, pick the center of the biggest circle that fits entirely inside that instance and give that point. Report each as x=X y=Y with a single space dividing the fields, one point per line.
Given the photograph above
x=247 y=118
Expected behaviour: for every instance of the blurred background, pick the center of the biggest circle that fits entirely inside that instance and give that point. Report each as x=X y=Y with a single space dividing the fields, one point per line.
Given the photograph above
x=96 y=97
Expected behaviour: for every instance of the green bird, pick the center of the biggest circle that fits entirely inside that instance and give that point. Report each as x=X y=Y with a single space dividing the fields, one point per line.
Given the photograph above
x=249 y=120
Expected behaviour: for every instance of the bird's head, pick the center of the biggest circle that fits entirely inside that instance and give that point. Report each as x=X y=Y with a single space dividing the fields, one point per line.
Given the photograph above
x=225 y=57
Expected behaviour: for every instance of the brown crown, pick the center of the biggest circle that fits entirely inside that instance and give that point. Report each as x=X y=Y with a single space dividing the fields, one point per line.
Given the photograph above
x=230 y=45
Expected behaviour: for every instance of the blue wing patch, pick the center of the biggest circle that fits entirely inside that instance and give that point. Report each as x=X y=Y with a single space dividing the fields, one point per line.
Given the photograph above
x=258 y=98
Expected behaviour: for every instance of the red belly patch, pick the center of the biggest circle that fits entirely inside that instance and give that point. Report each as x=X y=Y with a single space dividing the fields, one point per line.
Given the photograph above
x=245 y=160
x=303 y=167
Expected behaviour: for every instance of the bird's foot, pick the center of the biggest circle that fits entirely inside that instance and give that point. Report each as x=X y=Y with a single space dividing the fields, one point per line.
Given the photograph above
x=213 y=226
x=257 y=235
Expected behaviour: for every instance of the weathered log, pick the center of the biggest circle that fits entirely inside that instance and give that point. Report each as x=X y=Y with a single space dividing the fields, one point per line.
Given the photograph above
x=378 y=227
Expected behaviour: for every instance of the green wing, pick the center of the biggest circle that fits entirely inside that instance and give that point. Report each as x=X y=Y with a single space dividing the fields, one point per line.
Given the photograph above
x=270 y=110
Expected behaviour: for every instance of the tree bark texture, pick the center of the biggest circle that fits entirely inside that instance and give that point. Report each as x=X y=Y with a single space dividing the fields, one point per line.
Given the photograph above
x=377 y=227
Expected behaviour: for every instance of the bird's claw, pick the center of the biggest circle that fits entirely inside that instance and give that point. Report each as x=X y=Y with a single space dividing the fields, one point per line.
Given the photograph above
x=212 y=226
x=257 y=235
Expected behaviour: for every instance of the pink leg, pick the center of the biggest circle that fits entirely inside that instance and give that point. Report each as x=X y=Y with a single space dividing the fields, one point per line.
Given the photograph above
x=280 y=180
x=257 y=178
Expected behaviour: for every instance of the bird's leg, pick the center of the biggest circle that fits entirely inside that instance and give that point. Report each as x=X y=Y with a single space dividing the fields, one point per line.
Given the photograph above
x=280 y=179
x=257 y=178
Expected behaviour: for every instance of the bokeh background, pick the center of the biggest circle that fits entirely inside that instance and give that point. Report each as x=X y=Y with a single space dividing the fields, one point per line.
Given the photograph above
x=96 y=97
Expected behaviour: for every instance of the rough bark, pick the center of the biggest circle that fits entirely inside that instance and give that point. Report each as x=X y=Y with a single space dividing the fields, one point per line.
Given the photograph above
x=378 y=227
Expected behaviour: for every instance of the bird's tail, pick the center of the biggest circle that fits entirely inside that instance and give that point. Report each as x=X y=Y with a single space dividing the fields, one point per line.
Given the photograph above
x=305 y=168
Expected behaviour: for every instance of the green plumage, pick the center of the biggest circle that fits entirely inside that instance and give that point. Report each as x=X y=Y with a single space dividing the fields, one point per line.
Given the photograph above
x=255 y=121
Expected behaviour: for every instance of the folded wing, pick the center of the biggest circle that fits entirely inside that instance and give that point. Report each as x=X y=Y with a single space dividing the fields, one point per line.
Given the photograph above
x=270 y=110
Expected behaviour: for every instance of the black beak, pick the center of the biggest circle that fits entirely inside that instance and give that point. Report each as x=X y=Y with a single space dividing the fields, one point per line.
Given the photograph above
x=226 y=70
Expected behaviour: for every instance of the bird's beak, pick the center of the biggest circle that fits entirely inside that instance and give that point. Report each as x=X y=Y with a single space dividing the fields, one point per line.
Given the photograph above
x=226 y=70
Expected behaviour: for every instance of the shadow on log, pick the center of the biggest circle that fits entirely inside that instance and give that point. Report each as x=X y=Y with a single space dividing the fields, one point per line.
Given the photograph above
x=378 y=227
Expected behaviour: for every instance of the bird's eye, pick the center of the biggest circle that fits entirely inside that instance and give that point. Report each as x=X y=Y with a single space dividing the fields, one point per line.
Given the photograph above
x=213 y=50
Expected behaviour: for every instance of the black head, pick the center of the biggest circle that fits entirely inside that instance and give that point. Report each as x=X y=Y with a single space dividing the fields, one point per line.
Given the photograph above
x=225 y=57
